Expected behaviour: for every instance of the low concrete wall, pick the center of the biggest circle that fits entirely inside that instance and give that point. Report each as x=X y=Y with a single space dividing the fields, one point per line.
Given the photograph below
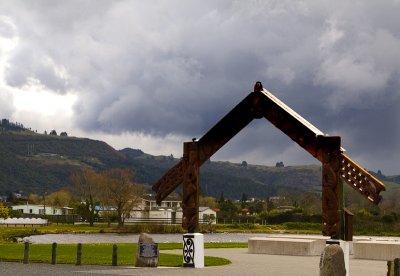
x=286 y=246
x=376 y=250
x=23 y=221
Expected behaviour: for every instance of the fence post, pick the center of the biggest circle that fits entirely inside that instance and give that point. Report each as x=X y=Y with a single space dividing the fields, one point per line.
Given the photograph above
x=389 y=268
x=115 y=255
x=79 y=254
x=54 y=253
x=26 y=253
x=397 y=267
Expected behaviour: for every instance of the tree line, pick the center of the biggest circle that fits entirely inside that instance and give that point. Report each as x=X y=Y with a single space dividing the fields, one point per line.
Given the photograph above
x=112 y=192
x=112 y=188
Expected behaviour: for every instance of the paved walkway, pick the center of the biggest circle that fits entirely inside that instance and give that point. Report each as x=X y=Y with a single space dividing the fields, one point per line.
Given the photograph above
x=242 y=264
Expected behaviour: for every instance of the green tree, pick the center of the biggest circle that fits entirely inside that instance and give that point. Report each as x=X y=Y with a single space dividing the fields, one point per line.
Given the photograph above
x=243 y=201
x=4 y=211
x=256 y=207
x=228 y=210
x=208 y=201
x=221 y=197
x=270 y=205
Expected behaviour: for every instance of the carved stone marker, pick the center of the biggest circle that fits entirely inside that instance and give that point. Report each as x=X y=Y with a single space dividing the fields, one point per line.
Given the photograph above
x=147 y=253
x=332 y=261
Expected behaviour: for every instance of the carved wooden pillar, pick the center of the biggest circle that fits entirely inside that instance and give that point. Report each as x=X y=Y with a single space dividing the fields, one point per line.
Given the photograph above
x=190 y=200
x=331 y=209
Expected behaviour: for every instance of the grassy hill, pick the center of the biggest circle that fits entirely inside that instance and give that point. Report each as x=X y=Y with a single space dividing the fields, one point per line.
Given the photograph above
x=35 y=163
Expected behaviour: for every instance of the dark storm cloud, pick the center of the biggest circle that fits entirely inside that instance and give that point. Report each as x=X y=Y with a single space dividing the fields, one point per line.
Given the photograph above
x=178 y=67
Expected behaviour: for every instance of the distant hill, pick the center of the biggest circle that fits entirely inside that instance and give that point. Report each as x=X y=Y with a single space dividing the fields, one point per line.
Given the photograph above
x=35 y=163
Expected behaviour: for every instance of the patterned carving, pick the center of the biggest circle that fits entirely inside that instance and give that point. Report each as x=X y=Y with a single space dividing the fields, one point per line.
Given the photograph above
x=188 y=251
x=330 y=201
x=358 y=178
x=190 y=200
x=328 y=151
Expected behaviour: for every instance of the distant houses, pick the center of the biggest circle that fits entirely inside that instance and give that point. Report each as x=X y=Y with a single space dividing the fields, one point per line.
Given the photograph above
x=147 y=211
x=34 y=209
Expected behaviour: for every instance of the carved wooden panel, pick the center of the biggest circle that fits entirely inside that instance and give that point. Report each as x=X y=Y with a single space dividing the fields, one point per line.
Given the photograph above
x=362 y=181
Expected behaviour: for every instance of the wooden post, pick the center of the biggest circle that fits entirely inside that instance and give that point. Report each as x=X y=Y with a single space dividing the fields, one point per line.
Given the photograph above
x=79 y=254
x=389 y=268
x=397 y=267
x=26 y=253
x=348 y=221
x=115 y=255
x=190 y=201
x=54 y=253
x=331 y=209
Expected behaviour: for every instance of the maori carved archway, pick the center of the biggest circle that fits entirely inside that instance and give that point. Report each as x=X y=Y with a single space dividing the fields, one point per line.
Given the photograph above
x=258 y=104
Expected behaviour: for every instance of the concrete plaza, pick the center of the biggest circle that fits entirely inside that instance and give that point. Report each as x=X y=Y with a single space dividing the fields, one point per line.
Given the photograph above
x=242 y=264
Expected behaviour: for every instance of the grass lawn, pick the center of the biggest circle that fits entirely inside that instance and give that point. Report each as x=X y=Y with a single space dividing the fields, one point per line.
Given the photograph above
x=102 y=253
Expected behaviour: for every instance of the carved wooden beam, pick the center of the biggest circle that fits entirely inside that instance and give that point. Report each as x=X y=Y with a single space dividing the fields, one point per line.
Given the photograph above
x=289 y=122
x=230 y=125
x=169 y=182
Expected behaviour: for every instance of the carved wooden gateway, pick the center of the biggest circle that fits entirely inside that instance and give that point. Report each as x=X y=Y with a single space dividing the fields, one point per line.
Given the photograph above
x=258 y=104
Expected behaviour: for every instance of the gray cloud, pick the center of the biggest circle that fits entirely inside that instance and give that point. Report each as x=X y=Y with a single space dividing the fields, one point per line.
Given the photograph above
x=177 y=67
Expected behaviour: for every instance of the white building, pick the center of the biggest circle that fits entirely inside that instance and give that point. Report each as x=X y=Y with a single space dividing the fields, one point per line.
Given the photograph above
x=205 y=212
x=33 y=209
x=170 y=211
x=149 y=211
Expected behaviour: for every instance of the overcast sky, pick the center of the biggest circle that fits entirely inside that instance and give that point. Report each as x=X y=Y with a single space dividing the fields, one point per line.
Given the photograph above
x=153 y=74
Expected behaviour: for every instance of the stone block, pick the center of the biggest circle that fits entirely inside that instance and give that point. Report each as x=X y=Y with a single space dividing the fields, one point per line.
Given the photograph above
x=376 y=250
x=332 y=261
x=286 y=246
x=147 y=253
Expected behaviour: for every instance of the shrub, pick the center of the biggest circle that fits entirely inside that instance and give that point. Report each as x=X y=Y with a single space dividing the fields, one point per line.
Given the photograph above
x=4 y=211
x=387 y=219
x=363 y=213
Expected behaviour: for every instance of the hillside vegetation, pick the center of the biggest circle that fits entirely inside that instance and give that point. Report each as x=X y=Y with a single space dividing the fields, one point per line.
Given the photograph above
x=35 y=163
